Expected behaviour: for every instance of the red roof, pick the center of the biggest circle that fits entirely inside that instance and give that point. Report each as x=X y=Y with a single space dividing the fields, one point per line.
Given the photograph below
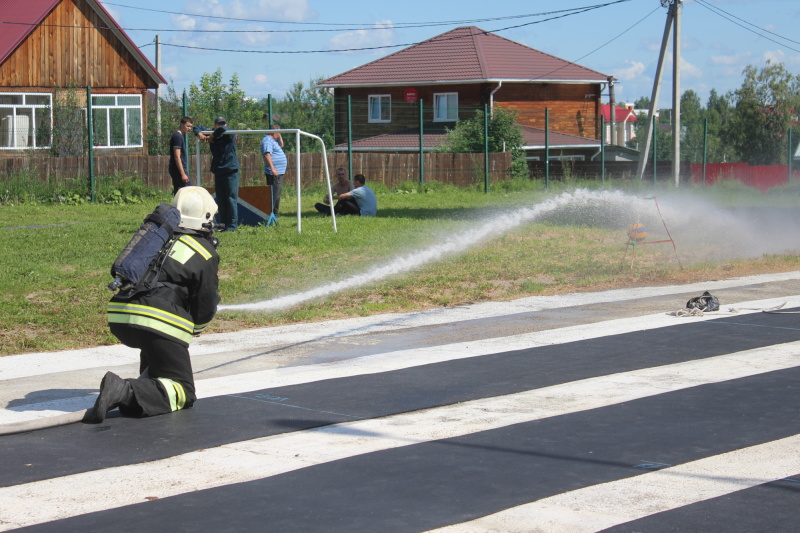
x=621 y=114
x=18 y=20
x=466 y=54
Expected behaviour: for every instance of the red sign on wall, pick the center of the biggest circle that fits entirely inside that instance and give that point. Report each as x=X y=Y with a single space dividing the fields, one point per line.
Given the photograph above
x=411 y=95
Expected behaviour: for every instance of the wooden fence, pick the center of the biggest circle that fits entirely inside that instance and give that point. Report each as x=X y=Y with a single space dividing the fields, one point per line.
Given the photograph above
x=389 y=169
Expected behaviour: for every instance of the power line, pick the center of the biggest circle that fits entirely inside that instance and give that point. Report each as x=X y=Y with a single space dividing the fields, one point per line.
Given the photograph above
x=397 y=24
x=381 y=47
x=359 y=26
x=730 y=17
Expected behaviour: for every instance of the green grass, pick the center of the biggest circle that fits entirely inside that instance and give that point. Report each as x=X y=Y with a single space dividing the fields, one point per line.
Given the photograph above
x=55 y=260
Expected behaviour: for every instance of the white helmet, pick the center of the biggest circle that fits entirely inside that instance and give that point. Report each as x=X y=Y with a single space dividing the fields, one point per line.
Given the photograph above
x=197 y=208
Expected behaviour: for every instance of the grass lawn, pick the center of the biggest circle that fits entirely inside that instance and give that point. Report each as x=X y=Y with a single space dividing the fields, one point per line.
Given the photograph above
x=443 y=247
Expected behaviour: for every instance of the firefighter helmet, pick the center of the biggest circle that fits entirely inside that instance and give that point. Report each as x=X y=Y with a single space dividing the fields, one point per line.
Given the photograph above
x=197 y=208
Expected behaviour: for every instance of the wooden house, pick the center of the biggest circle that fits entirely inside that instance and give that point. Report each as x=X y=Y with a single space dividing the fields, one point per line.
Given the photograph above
x=51 y=50
x=455 y=74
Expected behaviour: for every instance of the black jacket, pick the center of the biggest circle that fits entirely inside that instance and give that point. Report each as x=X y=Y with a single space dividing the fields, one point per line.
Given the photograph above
x=186 y=298
x=223 y=150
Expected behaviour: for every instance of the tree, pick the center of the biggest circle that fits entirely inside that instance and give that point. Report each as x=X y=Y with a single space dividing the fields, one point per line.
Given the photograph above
x=692 y=127
x=309 y=109
x=718 y=113
x=505 y=135
x=212 y=98
x=764 y=106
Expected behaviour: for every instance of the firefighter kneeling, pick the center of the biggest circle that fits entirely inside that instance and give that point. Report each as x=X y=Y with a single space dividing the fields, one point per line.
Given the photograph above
x=160 y=322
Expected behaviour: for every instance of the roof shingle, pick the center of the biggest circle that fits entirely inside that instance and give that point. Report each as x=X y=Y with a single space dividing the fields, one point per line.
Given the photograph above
x=465 y=54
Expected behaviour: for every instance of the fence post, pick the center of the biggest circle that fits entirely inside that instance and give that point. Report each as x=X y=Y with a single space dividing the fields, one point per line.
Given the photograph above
x=186 y=138
x=486 y=148
x=655 y=151
x=421 y=145
x=90 y=129
x=546 y=147
x=705 y=150
x=603 y=148
x=349 y=138
x=790 y=158
x=269 y=111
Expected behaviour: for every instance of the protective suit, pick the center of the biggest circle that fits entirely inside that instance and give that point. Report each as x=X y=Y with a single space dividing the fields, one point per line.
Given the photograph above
x=162 y=321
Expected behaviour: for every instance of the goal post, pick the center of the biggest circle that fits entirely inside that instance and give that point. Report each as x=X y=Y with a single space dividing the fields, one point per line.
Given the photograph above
x=297 y=133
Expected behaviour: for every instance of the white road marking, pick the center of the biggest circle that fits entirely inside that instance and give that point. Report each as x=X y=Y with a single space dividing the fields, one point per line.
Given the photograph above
x=397 y=360
x=239 y=462
x=609 y=504
x=34 y=364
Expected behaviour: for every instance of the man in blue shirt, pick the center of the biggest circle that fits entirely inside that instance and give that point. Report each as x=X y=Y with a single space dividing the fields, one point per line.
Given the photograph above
x=274 y=164
x=359 y=201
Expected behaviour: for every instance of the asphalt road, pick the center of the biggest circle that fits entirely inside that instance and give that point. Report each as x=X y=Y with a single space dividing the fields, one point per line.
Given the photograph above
x=580 y=412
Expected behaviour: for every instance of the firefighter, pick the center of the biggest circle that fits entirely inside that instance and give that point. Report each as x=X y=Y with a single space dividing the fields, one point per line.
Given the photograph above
x=161 y=322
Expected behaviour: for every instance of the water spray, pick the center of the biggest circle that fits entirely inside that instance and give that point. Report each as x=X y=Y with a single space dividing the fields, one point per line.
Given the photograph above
x=457 y=243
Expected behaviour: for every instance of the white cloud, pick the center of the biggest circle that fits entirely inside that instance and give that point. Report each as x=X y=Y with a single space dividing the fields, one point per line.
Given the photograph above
x=184 y=22
x=631 y=72
x=731 y=60
x=261 y=79
x=779 y=56
x=689 y=70
x=381 y=35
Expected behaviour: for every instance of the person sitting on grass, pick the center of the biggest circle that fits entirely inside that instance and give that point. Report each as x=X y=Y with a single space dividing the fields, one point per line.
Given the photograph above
x=341 y=186
x=359 y=201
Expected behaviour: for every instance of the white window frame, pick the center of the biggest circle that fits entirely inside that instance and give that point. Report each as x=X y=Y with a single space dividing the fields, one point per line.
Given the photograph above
x=438 y=116
x=379 y=98
x=9 y=123
x=100 y=110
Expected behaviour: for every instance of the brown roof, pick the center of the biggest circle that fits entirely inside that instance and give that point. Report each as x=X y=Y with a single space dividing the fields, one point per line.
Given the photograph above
x=462 y=55
x=534 y=138
x=19 y=19
x=405 y=141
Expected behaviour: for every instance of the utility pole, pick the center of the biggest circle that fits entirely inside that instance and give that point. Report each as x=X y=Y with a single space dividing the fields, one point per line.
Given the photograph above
x=158 y=88
x=676 y=95
x=612 y=110
x=673 y=22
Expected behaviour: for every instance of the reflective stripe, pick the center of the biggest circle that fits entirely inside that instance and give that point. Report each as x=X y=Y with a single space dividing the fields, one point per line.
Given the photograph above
x=181 y=252
x=199 y=328
x=147 y=322
x=199 y=248
x=150 y=317
x=153 y=312
x=177 y=396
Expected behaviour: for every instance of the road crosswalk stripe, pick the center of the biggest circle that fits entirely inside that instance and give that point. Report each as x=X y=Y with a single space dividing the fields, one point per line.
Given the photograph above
x=259 y=458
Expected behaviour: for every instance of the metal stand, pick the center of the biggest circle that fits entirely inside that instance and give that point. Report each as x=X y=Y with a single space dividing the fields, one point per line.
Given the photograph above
x=631 y=244
x=272 y=220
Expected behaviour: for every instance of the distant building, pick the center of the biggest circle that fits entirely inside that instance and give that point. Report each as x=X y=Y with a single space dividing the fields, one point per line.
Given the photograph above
x=455 y=74
x=48 y=46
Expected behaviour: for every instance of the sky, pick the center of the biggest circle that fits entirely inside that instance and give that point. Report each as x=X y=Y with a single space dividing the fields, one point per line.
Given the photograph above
x=288 y=41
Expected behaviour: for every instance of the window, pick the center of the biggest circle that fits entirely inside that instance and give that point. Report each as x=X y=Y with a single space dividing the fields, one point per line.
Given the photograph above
x=380 y=108
x=117 y=120
x=445 y=107
x=25 y=120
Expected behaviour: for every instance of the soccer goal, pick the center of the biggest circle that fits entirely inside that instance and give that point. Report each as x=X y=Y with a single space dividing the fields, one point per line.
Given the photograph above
x=297 y=133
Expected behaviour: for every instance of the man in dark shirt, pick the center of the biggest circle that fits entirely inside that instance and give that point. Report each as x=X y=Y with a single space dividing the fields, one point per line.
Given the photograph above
x=225 y=167
x=177 y=155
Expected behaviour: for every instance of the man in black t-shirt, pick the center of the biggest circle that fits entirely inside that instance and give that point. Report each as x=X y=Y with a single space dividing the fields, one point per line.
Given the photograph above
x=177 y=155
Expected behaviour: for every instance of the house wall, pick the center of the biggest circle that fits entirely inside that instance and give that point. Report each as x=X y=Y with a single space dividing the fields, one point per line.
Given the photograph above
x=57 y=56
x=69 y=50
x=574 y=108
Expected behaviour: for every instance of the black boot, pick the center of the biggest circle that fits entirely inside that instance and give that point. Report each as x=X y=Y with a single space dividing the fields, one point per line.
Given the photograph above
x=114 y=391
